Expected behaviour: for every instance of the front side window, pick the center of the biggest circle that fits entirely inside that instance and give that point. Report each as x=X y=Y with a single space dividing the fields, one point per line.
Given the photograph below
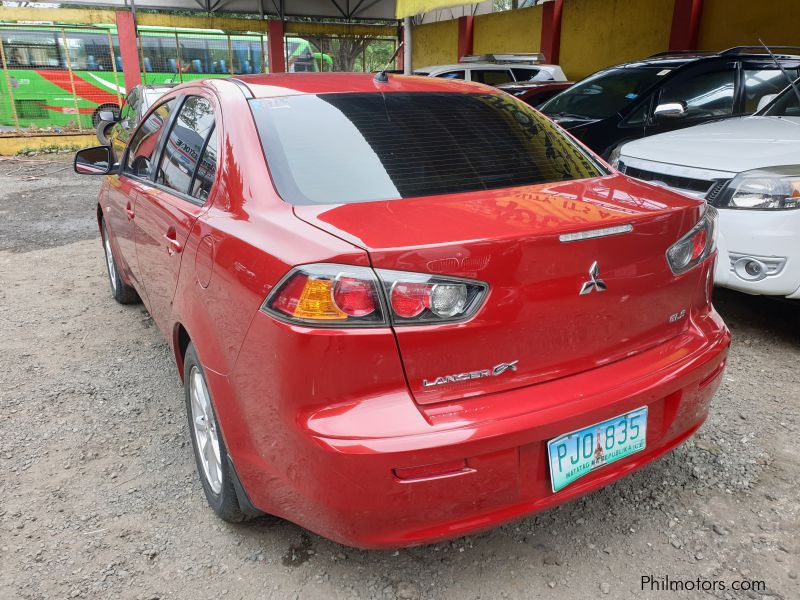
x=145 y=140
x=185 y=144
x=705 y=94
x=491 y=76
x=787 y=104
x=358 y=147
x=606 y=93
x=761 y=82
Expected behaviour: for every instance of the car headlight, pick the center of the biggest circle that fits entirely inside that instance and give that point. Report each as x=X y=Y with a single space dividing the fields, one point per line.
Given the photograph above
x=613 y=158
x=774 y=188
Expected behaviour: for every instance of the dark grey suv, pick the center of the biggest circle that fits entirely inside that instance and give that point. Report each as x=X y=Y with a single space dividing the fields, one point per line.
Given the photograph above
x=669 y=91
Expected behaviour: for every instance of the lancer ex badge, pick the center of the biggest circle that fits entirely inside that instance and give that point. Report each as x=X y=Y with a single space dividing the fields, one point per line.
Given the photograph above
x=594 y=283
x=493 y=372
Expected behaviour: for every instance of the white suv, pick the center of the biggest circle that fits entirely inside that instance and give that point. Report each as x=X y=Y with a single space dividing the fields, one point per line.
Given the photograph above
x=749 y=169
x=495 y=69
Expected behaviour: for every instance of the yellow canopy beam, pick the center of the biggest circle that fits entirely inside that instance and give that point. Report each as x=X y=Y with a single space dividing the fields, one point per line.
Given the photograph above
x=409 y=8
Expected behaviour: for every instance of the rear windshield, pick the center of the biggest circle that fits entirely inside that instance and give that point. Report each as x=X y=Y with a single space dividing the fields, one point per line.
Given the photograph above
x=357 y=147
x=605 y=93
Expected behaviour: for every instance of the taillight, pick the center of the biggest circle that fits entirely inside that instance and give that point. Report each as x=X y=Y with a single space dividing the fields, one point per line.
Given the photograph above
x=694 y=247
x=327 y=294
x=345 y=296
x=415 y=298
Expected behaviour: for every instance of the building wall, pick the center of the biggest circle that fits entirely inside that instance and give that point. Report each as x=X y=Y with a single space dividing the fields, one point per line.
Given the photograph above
x=509 y=31
x=434 y=44
x=600 y=33
x=728 y=23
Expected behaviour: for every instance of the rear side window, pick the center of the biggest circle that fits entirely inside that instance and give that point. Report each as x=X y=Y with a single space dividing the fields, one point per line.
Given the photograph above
x=144 y=142
x=491 y=76
x=206 y=170
x=705 y=94
x=521 y=74
x=185 y=144
x=452 y=75
x=356 y=147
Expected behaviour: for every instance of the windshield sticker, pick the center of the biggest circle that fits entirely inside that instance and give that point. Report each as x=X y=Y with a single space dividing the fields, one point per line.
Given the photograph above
x=663 y=72
x=631 y=96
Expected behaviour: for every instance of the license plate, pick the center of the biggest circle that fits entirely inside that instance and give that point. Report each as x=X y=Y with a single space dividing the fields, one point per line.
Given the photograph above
x=576 y=454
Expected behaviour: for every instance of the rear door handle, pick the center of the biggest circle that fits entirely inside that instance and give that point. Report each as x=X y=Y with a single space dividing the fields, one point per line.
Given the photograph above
x=173 y=245
x=129 y=212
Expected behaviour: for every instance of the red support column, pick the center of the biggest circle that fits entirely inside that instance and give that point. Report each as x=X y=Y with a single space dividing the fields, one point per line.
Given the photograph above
x=550 y=43
x=685 y=24
x=465 y=28
x=277 y=57
x=128 y=50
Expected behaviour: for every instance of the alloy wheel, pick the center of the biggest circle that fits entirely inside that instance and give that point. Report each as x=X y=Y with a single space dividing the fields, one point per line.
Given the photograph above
x=205 y=430
x=112 y=269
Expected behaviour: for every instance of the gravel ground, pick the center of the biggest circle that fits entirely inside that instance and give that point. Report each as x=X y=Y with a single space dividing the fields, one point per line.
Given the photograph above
x=99 y=496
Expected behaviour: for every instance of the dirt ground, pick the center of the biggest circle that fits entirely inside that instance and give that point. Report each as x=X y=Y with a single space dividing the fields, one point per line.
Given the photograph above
x=99 y=496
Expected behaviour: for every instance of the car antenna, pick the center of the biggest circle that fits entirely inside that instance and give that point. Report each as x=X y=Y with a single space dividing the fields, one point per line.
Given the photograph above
x=383 y=77
x=780 y=66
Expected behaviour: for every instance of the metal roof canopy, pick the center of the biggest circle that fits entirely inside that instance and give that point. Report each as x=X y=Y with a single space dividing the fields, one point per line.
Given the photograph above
x=332 y=9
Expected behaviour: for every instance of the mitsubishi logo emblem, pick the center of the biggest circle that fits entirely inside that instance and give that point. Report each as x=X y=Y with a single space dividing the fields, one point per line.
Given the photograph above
x=594 y=283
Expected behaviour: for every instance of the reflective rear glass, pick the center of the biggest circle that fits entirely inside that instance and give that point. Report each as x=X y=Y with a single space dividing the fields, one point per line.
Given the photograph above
x=357 y=147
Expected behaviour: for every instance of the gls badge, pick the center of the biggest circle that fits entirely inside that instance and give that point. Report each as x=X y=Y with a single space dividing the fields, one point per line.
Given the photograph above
x=493 y=372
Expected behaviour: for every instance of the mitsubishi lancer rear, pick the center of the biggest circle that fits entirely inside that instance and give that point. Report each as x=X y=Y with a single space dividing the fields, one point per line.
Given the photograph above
x=464 y=316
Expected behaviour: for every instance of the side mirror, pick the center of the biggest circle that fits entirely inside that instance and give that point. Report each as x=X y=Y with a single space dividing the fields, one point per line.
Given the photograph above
x=670 y=109
x=93 y=161
x=107 y=115
x=766 y=99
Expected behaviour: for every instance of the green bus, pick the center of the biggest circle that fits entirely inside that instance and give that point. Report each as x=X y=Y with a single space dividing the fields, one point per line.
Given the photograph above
x=44 y=94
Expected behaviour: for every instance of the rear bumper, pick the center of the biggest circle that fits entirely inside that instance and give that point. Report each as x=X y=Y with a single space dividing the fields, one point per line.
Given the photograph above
x=334 y=469
x=771 y=237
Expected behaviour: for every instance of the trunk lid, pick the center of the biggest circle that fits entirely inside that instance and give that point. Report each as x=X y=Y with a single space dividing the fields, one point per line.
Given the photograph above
x=534 y=313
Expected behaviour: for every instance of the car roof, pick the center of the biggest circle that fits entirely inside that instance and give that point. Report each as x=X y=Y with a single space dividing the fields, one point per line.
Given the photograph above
x=483 y=65
x=289 y=84
x=532 y=85
x=676 y=59
x=147 y=87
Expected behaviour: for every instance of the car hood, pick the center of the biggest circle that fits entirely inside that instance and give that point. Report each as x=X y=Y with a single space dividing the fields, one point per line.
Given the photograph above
x=732 y=145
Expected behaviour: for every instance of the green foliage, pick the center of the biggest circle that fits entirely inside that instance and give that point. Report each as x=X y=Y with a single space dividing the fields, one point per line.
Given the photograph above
x=51 y=149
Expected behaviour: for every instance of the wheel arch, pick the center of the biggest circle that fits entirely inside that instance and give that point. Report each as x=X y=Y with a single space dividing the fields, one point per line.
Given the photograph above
x=180 y=342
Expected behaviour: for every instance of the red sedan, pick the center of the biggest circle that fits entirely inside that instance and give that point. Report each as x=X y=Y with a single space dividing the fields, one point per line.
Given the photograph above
x=407 y=310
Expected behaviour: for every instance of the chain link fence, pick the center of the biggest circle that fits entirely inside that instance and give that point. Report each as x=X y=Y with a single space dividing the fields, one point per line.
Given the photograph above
x=364 y=54
x=59 y=78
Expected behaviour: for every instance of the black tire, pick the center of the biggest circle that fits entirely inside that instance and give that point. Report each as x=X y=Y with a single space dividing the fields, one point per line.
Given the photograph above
x=222 y=500
x=103 y=131
x=120 y=291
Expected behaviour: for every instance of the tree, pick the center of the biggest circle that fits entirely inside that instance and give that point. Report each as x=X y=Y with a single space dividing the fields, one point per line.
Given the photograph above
x=343 y=50
x=355 y=52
